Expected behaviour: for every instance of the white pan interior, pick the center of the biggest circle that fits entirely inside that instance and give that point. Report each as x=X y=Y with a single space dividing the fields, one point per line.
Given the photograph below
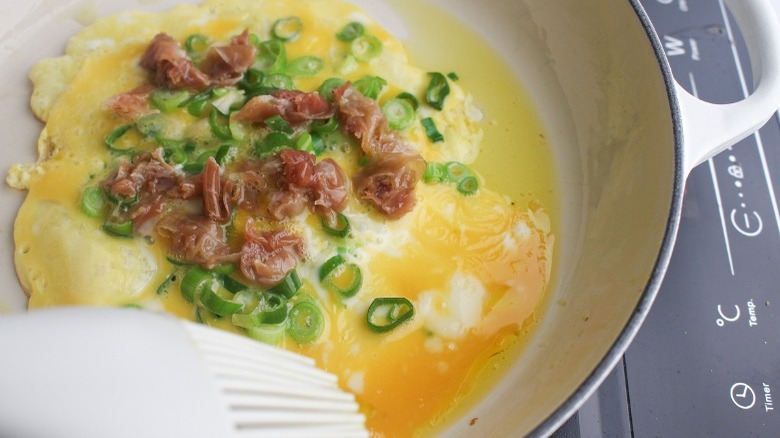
x=598 y=85
x=595 y=79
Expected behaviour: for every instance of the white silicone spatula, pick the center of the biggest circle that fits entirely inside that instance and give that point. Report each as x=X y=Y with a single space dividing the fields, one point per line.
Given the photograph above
x=100 y=372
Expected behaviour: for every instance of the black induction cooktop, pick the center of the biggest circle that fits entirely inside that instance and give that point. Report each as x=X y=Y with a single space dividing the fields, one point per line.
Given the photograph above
x=706 y=362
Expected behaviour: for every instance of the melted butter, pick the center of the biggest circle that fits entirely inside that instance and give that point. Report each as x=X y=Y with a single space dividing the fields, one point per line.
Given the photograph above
x=410 y=381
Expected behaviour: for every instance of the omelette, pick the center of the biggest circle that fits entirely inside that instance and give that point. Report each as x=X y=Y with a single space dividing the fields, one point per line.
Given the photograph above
x=279 y=169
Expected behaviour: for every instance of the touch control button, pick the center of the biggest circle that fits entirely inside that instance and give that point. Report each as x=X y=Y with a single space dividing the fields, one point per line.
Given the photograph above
x=743 y=396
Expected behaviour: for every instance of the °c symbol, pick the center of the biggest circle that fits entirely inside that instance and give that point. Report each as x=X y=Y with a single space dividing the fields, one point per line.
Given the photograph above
x=723 y=318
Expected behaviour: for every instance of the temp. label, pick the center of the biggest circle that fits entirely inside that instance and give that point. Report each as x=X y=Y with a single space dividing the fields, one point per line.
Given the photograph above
x=728 y=314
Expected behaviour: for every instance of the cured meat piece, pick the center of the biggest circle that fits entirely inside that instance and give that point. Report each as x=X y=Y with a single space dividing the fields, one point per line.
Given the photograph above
x=131 y=105
x=226 y=65
x=330 y=190
x=282 y=186
x=196 y=239
x=149 y=174
x=267 y=257
x=362 y=118
x=213 y=201
x=294 y=106
x=146 y=184
x=389 y=183
x=390 y=180
x=171 y=66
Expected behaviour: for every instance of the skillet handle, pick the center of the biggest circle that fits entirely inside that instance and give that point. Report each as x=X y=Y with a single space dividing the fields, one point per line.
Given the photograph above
x=709 y=128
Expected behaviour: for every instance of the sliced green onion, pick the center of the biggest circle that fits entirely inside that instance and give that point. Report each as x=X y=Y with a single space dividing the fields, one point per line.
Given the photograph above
x=151 y=125
x=232 y=285
x=112 y=138
x=93 y=201
x=231 y=100
x=218 y=300
x=452 y=75
x=224 y=269
x=341 y=277
x=348 y=66
x=195 y=45
x=226 y=153
x=219 y=125
x=278 y=124
x=118 y=229
x=169 y=281
x=252 y=82
x=288 y=286
x=271 y=57
x=326 y=127
x=197 y=166
x=456 y=171
x=386 y=314
x=399 y=112
x=268 y=333
x=167 y=100
x=287 y=29
x=304 y=142
x=330 y=265
x=171 y=143
x=409 y=97
x=272 y=142
x=438 y=90
x=435 y=173
x=133 y=306
x=176 y=262
x=306 y=323
x=370 y=86
x=342 y=227
x=431 y=131
x=272 y=307
x=327 y=87
x=351 y=31
x=305 y=66
x=247 y=320
x=365 y=47
x=317 y=145
x=196 y=105
x=468 y=185
x=175 y=155
x=248 y=298
x=276 y=81
x=193 y=283
x=219 y=92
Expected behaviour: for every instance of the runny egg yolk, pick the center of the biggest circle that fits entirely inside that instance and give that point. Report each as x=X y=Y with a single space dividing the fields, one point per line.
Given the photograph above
x=475 y=267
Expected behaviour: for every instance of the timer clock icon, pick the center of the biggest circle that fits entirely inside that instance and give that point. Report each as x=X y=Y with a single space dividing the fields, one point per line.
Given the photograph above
x=743 y=396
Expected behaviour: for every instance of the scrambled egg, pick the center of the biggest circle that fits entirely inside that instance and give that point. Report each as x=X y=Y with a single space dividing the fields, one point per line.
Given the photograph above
x=475 y=267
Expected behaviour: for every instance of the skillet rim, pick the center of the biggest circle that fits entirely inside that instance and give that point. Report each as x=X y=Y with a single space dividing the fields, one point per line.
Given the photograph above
x=621 y=344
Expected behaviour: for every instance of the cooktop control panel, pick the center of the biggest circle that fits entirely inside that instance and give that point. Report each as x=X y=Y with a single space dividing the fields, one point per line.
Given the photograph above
x=707 y=360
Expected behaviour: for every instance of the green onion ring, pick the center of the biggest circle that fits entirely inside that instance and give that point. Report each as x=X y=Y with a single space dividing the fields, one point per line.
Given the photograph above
x=398 y=311
x=287 y=29
x=306 y=323
x=351 y=31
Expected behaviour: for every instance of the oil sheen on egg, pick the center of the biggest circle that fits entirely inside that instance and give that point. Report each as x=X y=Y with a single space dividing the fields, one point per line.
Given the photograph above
x=475 y=267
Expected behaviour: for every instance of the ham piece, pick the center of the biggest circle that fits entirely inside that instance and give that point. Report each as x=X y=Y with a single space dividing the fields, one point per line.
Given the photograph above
x=389 y=180
x=226 y=65
x=171 y=66
x=294 y=106
x=268 y=256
